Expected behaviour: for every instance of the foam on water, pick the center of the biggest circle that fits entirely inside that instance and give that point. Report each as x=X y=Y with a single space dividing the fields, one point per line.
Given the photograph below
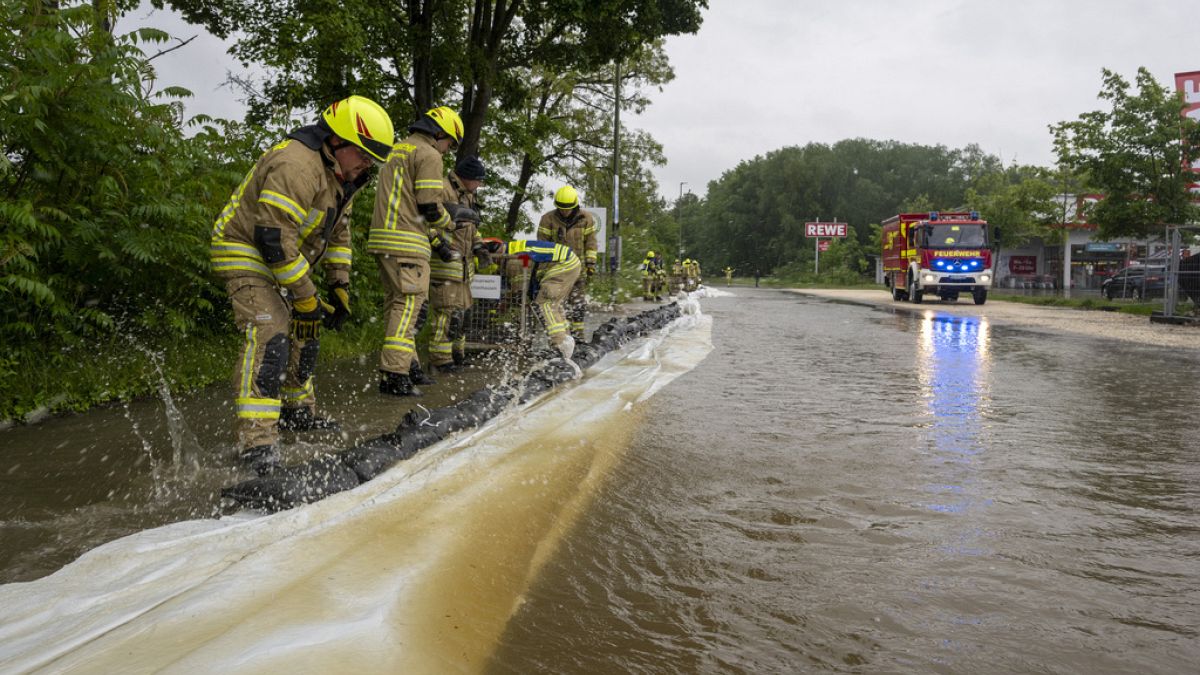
x=418 y=570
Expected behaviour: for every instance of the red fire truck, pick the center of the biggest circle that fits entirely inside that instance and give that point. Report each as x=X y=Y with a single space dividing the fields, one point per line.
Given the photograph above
x=940 y=254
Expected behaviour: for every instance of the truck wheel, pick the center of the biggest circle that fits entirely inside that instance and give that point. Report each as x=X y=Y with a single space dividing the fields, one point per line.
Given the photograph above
x=980 y=296
x=914 y=296
x=897 y=294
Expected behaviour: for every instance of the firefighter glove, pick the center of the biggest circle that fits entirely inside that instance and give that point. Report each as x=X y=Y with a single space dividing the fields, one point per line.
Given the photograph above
x=480 y=251
x=306 y=318
x=591 y=269
x=340 y=308
x=445 y=251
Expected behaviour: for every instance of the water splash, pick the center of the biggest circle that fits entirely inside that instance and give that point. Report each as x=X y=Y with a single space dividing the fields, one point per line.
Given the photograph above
x=185 y=447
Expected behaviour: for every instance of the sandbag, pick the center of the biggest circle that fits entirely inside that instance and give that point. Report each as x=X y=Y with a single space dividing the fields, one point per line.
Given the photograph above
x=294 y=485
x=420 y=428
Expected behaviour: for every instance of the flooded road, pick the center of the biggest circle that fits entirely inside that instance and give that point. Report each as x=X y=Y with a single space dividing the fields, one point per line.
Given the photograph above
x=833 y=487
x=844 y=488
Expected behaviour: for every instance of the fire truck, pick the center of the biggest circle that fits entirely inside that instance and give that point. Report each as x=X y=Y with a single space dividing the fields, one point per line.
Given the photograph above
x=940 y=254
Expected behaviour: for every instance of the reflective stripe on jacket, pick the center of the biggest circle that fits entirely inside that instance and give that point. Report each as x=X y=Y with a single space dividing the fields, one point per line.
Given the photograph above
x=293 y=188
x=551 y=258
x=411 y=177
x=577 y=231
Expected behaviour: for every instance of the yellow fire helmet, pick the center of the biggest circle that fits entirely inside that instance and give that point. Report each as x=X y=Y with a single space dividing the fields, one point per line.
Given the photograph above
x=650 y=254
x=449 y=121
x=364 y=123
x=566 y=197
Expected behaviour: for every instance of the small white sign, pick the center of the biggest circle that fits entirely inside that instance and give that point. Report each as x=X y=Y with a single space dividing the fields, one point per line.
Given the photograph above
x=485 y=286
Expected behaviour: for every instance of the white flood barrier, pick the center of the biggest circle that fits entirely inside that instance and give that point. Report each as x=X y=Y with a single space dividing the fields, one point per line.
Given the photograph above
x=417 y=570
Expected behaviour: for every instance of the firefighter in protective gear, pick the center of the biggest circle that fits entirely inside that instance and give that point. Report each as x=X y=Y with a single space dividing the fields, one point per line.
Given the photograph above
x=405 y=228
x=728 y=275
x=289 y=213
x=649 y=268
x=555 y=268
x=575 y=228
x=660 y=282
x=450 y=289
x=676 y=276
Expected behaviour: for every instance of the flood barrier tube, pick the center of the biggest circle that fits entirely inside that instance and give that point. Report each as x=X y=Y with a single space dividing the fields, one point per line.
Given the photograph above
x=329 y=474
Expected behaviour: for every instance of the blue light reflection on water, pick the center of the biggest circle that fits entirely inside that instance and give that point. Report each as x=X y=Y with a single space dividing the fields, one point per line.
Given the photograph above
x=954 y=362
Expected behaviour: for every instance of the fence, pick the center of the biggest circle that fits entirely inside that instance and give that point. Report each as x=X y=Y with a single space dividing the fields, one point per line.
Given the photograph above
x=1182 y=274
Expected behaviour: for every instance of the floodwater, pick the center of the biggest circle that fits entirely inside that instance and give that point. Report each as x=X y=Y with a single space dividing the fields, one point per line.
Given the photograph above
x=832 y=487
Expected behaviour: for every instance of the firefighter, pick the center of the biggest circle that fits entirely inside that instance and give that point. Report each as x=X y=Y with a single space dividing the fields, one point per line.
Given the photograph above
x=450 y=290
x=692 y=271
x=660 y=281
x=406 y=227
x=556 y=269
x=687 y=275
x=648 y=267
x=287 y=215
x=451 y=300
x=575 y=228
x=676 y=276
x=728 y=275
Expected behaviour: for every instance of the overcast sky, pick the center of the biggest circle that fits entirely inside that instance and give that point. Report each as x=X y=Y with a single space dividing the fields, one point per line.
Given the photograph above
x=763 y=74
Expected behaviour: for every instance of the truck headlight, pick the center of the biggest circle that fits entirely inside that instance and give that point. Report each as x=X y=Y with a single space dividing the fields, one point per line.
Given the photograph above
x=985 y=277
x=929 y=278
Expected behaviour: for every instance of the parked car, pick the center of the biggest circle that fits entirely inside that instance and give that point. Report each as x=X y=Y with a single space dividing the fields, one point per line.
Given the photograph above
x=1137 y=282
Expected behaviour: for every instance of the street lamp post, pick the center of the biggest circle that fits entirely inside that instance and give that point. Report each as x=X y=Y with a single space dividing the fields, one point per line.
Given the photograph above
x=677 y=218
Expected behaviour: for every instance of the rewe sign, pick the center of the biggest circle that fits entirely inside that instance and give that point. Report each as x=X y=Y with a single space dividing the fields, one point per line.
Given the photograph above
x=825 y=229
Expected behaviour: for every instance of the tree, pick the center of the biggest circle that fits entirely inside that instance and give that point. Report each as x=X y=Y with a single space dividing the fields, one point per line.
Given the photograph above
x=414 y=54
x=566 y=128
x=106 y=201
x=1137 y=154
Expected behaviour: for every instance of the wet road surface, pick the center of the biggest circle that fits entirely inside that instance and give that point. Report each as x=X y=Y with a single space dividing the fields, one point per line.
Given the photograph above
x=835 y=487
x=844 y=488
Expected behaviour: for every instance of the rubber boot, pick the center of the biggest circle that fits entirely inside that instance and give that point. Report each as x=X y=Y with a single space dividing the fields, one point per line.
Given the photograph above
x=460 y=358
x=397 y=384
x=566 y=347
x=263 y=459
x=447 y=368
x=418 y=376
x=303 y=419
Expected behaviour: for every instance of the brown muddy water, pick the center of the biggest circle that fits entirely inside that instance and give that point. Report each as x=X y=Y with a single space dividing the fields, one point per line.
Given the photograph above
x=833 y=487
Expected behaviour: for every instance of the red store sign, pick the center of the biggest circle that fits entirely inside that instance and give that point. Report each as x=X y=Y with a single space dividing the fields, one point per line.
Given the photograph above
x=1022 y=264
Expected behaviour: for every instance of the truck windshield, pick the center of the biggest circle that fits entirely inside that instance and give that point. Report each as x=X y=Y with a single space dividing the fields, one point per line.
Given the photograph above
x=955 y=236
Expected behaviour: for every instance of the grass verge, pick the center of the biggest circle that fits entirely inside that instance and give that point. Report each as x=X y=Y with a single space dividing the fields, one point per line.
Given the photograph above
x=120 y=367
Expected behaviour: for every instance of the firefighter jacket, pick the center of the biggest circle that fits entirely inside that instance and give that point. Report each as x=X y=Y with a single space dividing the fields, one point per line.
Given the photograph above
x=648 y=267
x=577 y=231
x=453 y=192
x=287 y=214
x=550 y=259
x=462 y=236
x=408 y=202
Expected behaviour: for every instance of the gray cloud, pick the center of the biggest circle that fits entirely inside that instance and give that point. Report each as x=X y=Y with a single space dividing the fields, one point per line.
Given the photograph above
x=763 y=74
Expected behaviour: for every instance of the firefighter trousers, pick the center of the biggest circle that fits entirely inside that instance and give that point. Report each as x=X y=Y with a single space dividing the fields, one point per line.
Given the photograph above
x=552 y=290
x=406 y=286
x=576 y=306
x=273 y=370
x=448 y=301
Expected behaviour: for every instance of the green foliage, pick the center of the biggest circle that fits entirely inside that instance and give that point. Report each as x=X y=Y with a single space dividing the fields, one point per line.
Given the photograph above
x=106 y=197
x=1136 y=153
x=107 y=203
x=754 y=215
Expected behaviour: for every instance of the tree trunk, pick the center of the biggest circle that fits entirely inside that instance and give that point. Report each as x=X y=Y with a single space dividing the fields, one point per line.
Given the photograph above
x=420 y=13
x=519 y=196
